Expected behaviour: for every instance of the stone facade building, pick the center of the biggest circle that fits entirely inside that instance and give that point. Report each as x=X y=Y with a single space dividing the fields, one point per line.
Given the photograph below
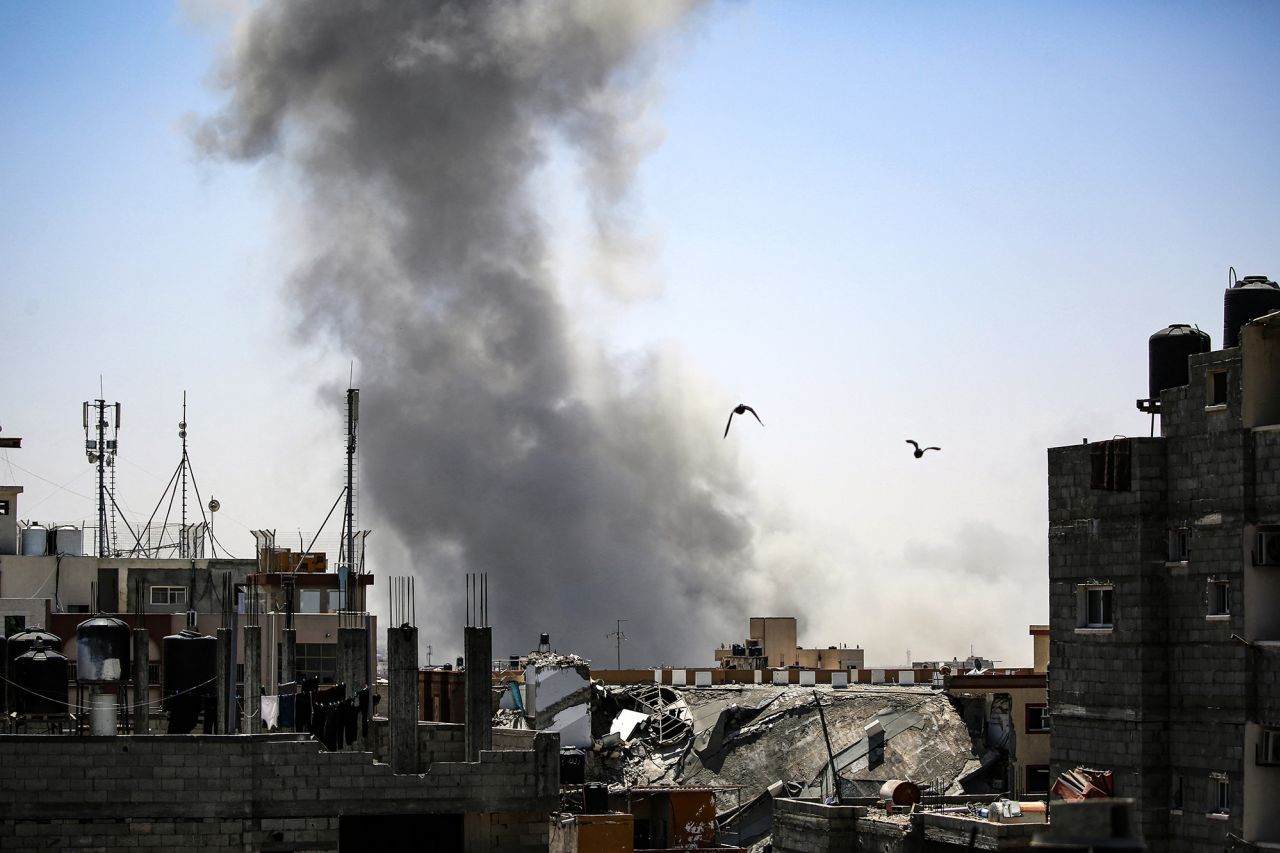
x=1164 y=571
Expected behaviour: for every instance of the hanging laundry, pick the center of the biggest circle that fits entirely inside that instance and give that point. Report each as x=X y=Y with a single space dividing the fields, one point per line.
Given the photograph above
x=270 y=711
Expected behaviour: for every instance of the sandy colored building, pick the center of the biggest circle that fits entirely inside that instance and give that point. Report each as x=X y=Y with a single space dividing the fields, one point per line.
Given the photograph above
x=772 y=642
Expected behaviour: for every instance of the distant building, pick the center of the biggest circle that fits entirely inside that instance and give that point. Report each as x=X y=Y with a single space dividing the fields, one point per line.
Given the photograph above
x=772 y=643
x=1164 y=593
x=48 y=580
x=1008 y=717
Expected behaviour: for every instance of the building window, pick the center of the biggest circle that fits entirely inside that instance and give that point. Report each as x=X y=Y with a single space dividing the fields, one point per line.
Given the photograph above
x=1175 y=802
x=1266 y=548
x=1220 y=790
x=153 y=674
x=1217 y=387
x=1094 y=606
x=1268 y=751
x=316 y=660
x=1037 y=779
x=167 y=595
x=14 y=625
x=4 y=506
x=1037 y=718
x=1219 y=598
x=1109 y=465
x=1179 y=545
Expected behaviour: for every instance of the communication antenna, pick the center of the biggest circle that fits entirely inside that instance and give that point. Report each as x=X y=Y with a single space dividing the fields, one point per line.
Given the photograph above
x=182 y=434
x=618 y=636
x=101 y=451
x=347 y=549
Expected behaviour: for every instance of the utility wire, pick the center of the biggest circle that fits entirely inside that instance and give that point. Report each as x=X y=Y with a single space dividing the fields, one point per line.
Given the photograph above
x=131 y=704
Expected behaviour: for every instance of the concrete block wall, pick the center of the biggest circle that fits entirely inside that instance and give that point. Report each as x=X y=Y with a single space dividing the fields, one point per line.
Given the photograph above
x=234 y=792
x=1195 y=686
x=804 y=826
x=800 y=826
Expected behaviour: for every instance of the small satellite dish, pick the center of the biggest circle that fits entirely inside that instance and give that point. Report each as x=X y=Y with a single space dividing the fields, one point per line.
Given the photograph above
x=214 y=505
x=93 y=457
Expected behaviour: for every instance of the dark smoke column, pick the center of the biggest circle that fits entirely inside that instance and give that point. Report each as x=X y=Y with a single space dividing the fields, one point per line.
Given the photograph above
x=408 y=133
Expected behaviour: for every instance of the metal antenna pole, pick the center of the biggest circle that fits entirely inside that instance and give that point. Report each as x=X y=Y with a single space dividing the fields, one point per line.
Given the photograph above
x=102 y=472
x=619 y=636
x=182 y=434
x=353 y=415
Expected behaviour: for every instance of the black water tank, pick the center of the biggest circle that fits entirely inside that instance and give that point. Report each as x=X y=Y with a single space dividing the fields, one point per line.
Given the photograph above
x=190 y=664
x=1167 y=353
x=573 y=766
x=1250 y=298
x=40 y=681
x=24 y=641
x=595 y=798
x=102 y=650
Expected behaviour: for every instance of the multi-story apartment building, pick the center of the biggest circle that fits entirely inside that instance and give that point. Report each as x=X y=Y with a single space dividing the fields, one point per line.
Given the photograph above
x=1164 y=570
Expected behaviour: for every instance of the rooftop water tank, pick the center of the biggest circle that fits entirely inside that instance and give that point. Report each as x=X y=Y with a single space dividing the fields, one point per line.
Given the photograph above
x=25 y=640
x=190 y=664
x=1248 y=299
x=102 y=650
x=68 y=540
x=1168 y=351
x=35 y=540
x=40 y=679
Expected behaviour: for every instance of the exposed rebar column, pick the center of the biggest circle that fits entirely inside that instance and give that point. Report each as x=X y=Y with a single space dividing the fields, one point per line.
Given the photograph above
x=141 y=682
x=353 y=665
x=402 y=677
x=477 y=648
x=252 y=680
x=225 y=682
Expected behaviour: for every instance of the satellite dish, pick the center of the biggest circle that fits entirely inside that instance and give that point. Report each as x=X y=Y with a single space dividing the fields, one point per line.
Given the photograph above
x=214 y=505
x=93 y=457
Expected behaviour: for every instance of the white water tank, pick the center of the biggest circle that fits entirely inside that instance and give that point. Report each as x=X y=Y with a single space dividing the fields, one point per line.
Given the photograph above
x=68 y=540
x=102 y=713
x=35 y=540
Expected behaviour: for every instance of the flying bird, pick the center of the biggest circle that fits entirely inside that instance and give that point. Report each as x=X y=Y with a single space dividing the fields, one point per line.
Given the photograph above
x=919 y=451
x=740 y=409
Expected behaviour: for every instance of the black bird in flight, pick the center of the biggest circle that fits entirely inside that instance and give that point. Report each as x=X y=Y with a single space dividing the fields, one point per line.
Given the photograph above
x=919 y=451
x=740 y=409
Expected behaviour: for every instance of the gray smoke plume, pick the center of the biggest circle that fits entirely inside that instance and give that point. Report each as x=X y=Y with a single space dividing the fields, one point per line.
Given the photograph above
x=493 y=439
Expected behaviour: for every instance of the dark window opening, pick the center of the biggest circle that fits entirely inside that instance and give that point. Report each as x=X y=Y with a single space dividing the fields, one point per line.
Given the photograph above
x=1179 y=545
x=1266 y=548
x=1218 y=388
x=1221 y=795
x=1109 y=465
x=1268 y=749
x=1176 y=800
x=14 y=625
x=1097 y=609
x=1037 y=779
x=1037 y=718
x=4 y=506
x=1219 y=598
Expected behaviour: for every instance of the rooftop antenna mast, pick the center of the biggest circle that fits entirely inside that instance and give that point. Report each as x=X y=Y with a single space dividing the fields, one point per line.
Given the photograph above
x=618 y=636
x=349 y=541
x=182 y=434
x=102 y=452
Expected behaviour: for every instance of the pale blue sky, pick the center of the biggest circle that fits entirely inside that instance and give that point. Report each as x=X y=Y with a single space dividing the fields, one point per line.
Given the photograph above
x=954 y=222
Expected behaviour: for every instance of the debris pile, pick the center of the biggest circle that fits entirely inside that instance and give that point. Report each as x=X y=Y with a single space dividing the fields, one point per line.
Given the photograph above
x=1083 y=784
